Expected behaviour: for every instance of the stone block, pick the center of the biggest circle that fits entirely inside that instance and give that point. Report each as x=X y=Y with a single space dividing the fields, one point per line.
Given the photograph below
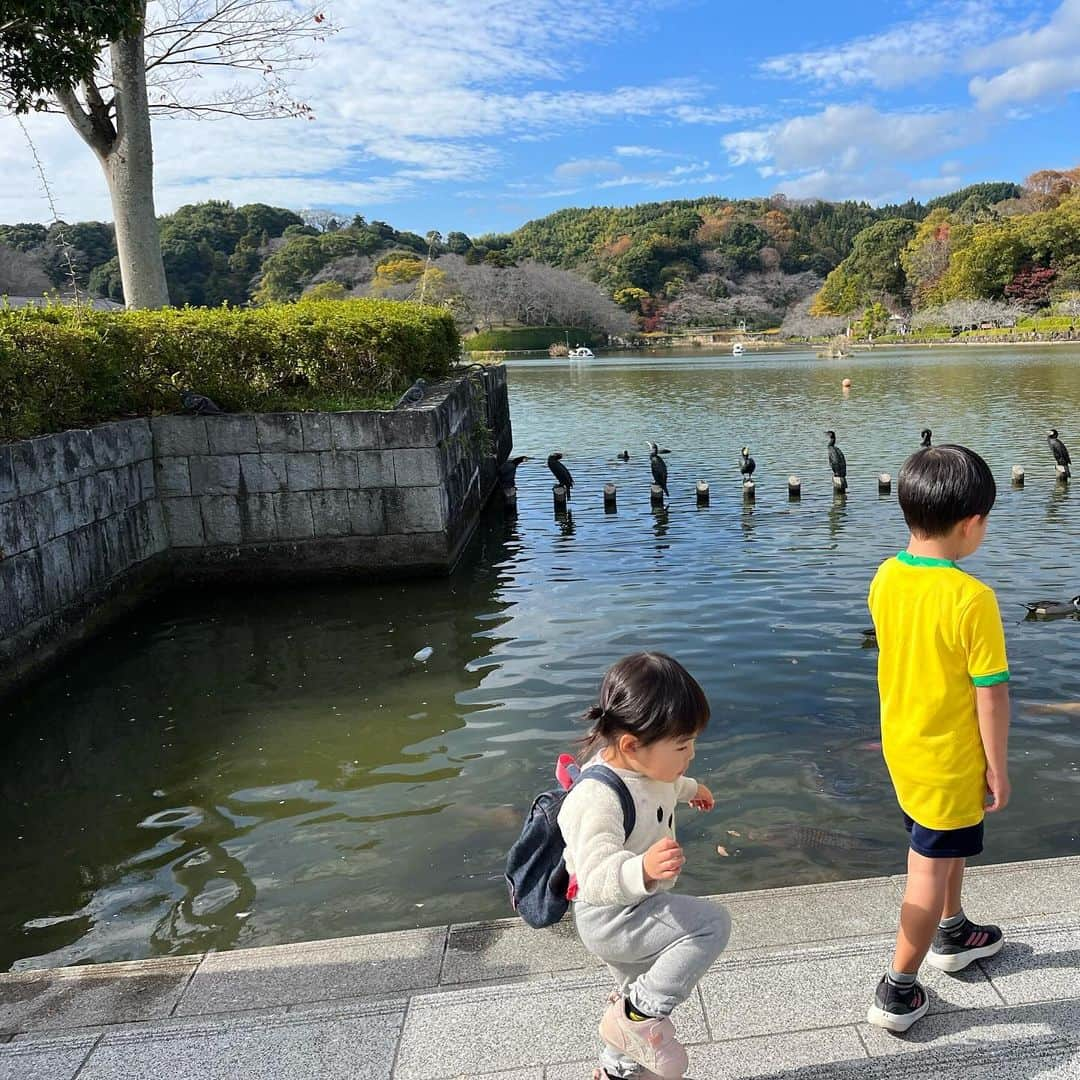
x=99 y=494
x=217 y=474
x=417 y=468
x=120 y=544
x=179 y=436
x=128 y=486
x=29 y=586
x=303 y=471
x=316 y=429
x=372 y=966
x=263 y=472
x=86 y=548
x=353 y=1041
x=142 y=441
x=293 y=513
x=10 y=617
x=159 y=531
x=147 y=483
x=375 y=468
x=8 y=489
x=258 y=522
x=355 y=430
x=57 y=575
x=37 y=464
x=77 y=453
x=339 y=469
x=221 y=519
x=60 y=510
x=330 y=513
x=232 y=434
x=97 y=994
x=184 y=522
x=508 y=949
x=405 y=428
x=413 y=510
x=111 y=445
x=59 y=1058
x=779 y=1055
x=367 y=516
x=17 y=531
x=33 y=522
x=279 y=432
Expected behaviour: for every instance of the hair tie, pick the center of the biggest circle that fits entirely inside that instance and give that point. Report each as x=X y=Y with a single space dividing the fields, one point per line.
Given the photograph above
x=597 y=713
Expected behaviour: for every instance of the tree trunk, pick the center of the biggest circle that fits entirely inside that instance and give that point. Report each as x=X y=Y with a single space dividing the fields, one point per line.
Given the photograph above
x=129 y=170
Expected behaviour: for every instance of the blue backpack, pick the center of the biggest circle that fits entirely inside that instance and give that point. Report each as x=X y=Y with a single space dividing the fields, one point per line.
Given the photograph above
x=540 y=886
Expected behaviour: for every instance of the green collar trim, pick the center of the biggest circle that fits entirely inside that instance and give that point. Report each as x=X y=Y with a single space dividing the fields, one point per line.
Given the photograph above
x=923 y=560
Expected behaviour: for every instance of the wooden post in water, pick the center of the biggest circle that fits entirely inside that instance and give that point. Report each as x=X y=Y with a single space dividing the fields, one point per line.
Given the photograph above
x=609 y=498
x=510 y=499
x=702 y=493
x=794 y=487
x=1018 y=475
x=838 y=485
x=1063 y=474
x=656 y=495
x=749 y=492
x=884 y=483
x=559 y=494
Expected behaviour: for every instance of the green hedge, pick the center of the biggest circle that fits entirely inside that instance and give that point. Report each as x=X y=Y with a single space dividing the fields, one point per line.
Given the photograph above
x=531 y=337
x=63 y=367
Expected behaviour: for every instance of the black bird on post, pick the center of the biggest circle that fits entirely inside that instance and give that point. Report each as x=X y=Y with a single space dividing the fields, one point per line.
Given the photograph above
x=748 y=465
x=414 y=394
x=837 y=461
x=198 y=404
x=508 y=472
x=926 y=436
x=659 y=467
x=1060 y=452
x=624 y=455
x=561 y=472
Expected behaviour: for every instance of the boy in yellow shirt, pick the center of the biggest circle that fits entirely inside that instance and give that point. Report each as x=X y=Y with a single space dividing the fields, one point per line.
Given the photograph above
x=943 y=680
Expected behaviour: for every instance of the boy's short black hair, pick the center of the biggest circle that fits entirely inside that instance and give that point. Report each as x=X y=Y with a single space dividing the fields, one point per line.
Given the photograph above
x=941 y=485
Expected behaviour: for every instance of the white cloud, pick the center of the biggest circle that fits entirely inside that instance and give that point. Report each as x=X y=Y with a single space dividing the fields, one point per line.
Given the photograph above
x=851 y=137
x=714 y=114
x=907 y=53
x=581 y=168
x=877 y=186
x=1030 y=81
x=639 y=151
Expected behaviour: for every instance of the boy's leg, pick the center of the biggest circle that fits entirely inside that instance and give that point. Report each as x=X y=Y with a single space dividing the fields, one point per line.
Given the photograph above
x=932 y=884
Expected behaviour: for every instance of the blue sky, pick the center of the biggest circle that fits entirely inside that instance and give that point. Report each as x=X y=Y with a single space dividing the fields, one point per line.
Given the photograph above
x=481 y=114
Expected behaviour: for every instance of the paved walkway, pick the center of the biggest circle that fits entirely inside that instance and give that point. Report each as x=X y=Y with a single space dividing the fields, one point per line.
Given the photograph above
x=501 y=1000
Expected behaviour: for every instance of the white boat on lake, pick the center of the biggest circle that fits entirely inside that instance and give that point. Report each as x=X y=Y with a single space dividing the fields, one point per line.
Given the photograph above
x=582 y=352
x=738 y=349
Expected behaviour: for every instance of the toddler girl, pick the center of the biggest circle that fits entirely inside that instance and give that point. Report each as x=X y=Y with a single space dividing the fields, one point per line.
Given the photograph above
x=657 y=944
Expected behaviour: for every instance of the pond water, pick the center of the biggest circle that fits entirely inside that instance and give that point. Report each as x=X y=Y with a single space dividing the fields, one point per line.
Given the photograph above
x=239 y=768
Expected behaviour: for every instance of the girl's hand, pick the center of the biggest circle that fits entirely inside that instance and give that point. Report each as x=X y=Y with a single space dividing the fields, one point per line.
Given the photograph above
x=663 y=861
x=703 y=799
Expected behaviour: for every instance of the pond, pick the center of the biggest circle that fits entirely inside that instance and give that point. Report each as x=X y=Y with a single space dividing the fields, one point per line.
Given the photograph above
x=248 y=767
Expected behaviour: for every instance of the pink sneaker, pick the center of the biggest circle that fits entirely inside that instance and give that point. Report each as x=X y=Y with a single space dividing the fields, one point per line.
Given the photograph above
x=651 y=1043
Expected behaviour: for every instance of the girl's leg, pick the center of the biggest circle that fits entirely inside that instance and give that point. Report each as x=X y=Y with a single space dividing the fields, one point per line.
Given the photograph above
x=953 y=888
x=670 y=939
x=931 y=883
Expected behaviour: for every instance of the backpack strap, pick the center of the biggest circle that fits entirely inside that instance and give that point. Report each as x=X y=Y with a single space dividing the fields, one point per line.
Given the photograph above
x=611 y=779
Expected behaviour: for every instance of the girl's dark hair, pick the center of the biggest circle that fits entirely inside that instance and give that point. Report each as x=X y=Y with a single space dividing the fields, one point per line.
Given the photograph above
x=942 y=485
x=650 y=696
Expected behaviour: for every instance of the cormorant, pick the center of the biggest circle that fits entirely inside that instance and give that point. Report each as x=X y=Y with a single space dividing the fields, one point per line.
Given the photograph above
x=624 y=456
x=1060 y=451
x=926 y=434
x=562 y=473
x=508 y=471
x=748 y=464
x=199 y=404
x=414 y=394
x=658 y=466
x=837 y=461
x=1054 y=607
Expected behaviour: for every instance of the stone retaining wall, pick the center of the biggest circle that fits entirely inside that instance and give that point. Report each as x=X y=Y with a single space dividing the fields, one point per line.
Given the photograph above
x=89 y=519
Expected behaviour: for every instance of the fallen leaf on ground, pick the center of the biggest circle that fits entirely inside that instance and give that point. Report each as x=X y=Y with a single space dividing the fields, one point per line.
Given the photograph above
x=721 y=850
x=732 y=832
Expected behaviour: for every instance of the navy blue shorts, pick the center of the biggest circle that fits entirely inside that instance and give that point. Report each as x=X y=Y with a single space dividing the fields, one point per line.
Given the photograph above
x=945 y=843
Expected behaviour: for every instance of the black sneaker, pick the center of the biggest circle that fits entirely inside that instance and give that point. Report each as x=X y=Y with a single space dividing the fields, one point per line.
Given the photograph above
x=953 y=950
x=896 y=1008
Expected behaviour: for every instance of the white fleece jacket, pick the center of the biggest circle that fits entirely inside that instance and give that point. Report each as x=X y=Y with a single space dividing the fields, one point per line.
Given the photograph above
x=609 y=869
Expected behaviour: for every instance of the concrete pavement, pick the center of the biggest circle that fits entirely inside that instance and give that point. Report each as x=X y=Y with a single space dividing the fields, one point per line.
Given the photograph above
x=500 y=1000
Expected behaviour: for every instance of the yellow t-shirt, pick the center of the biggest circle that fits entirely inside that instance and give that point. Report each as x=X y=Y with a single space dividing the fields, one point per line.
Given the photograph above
x=939 y=636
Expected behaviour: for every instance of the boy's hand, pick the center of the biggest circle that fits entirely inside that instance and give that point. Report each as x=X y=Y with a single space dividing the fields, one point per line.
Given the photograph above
x=999 y=789
x=663 y=861
x=703 y=799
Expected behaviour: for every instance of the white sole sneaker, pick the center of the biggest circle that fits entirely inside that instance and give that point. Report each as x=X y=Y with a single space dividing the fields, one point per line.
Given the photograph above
x=891 y=1021
x=959 y=961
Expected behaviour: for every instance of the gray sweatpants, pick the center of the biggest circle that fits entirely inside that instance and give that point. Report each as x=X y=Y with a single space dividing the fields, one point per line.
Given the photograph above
x=658 y=951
